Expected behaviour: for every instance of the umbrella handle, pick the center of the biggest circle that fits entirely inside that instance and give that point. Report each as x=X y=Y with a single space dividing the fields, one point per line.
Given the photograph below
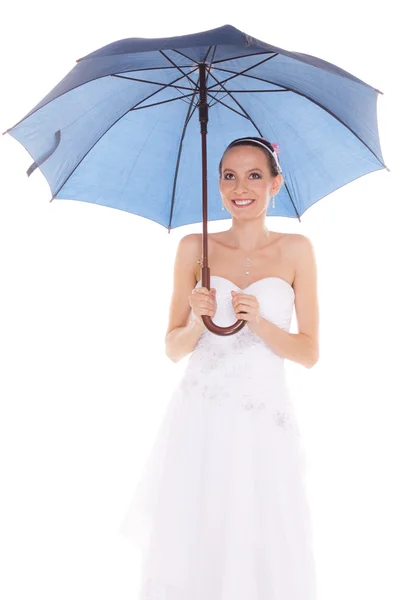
x=214 y=328
x=208 y=322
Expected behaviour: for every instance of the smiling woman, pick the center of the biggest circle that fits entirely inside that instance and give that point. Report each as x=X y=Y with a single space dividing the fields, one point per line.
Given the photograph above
x=225 y=482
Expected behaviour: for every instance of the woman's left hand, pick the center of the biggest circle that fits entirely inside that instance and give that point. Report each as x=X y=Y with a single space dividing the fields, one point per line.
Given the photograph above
x=250 y=307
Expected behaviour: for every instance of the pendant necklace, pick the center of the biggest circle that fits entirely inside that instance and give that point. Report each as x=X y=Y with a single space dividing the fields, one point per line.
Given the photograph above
x=248 y=259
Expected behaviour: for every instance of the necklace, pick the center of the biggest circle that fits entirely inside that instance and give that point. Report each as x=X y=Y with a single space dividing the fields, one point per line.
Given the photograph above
x=248 y=259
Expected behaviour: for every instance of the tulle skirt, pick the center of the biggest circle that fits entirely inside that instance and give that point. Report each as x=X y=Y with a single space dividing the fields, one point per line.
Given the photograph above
x=221 y=510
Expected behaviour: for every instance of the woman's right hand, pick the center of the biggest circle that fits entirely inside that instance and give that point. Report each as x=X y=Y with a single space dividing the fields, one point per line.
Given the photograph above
x=203 y=302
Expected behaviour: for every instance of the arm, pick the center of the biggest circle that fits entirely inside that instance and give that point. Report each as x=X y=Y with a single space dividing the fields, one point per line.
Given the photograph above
x=182 y=340
x=301 y=347
x=182 y=333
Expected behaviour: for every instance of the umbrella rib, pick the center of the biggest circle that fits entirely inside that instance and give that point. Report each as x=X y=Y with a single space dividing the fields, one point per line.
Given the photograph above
x=177 y=87
x=252 y=91
x=188 y=57
x=178 y=160
x=247 y=75
x=246 y=56
x=259 y=131
x=157 y=68
x=244 y=91
x=236 y=74
x=162 y=102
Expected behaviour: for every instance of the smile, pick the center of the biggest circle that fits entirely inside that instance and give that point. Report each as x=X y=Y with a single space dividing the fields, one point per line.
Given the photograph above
x=242 y=202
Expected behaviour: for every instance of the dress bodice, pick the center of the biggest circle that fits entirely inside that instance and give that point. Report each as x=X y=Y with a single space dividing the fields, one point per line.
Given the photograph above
x=274 y=294
x=242 y=362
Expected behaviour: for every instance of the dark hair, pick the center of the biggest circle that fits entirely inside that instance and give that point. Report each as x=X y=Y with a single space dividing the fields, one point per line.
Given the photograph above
x=257 y=144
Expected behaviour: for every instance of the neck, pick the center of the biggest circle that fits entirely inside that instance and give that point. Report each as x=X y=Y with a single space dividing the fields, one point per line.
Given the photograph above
x=249 y=236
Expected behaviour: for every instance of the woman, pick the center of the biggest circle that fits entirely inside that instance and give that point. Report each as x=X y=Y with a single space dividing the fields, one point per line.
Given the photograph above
x=221 y=511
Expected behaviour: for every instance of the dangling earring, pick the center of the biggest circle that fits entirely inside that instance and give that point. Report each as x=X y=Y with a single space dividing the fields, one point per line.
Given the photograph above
x=273 y=201
x=222 y=207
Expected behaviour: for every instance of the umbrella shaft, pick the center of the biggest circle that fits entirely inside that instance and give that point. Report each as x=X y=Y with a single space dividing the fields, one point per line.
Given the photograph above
x=203 y=118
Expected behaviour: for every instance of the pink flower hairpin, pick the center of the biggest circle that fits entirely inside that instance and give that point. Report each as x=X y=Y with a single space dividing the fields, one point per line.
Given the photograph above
x=274 y=145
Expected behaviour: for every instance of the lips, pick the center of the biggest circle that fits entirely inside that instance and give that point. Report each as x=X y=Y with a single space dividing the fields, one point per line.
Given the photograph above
x=242 y=199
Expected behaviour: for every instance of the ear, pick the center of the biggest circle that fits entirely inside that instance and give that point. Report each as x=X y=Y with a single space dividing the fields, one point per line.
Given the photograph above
x=278 y=184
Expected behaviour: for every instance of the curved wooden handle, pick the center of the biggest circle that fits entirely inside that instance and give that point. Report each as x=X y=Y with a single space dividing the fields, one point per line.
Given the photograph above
x=214 y=328
x=208 y=322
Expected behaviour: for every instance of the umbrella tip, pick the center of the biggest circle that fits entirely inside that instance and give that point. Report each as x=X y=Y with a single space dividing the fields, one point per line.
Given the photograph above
x=387 y=168
x=169 y=228
x=52 y=198
x=6 y=131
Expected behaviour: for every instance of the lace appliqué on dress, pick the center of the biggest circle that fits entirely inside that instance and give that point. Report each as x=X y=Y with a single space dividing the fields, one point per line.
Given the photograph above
x=237 y=370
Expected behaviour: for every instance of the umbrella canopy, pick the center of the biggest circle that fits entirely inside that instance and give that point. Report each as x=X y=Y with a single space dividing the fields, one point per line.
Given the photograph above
x=122 y=128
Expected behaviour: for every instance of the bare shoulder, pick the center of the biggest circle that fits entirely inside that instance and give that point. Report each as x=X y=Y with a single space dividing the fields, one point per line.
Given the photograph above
x=296 y=241
x=300 y=250
x=190 y=240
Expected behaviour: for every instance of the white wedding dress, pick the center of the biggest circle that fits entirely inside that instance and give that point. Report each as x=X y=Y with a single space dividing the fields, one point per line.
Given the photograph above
x=221 y=509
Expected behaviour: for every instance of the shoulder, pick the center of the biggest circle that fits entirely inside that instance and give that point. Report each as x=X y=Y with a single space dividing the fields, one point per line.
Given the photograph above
x=190 y=243
x=302 y=255
x=296 y=240
x=298 y=244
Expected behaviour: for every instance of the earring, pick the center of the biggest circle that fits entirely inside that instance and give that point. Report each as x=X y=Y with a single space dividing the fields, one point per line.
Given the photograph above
x=273 y=201
x=222 y=207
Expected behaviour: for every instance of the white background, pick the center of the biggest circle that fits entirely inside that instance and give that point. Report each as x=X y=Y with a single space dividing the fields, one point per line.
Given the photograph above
x=85 y=293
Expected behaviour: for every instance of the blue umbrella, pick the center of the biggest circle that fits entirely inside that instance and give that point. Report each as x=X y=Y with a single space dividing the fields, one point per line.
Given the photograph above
x=120 y=129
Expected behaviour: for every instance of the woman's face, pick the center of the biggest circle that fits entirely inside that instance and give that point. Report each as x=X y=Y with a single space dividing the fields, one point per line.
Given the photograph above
x=245 y=175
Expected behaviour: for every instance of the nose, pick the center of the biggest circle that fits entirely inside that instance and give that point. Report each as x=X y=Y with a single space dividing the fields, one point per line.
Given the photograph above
x=241 y=186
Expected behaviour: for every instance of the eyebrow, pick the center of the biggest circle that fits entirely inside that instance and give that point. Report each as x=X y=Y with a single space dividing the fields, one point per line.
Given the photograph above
x=254 y=169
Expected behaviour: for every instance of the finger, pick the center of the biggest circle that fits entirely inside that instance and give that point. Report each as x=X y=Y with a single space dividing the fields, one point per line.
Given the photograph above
x=204 y=291
x=240 y=295
x=241 y=309
x=246 y=303
x=209 y=295
x=206 y=304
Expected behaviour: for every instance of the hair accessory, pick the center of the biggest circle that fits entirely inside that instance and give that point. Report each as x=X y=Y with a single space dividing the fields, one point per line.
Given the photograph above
x=274 y=152
x=275 y=146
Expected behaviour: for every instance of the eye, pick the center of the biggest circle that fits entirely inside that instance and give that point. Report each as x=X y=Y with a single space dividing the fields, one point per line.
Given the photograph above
x=254 y=173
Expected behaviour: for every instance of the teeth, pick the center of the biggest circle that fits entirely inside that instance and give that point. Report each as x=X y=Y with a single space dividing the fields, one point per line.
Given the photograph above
x=242 y=202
